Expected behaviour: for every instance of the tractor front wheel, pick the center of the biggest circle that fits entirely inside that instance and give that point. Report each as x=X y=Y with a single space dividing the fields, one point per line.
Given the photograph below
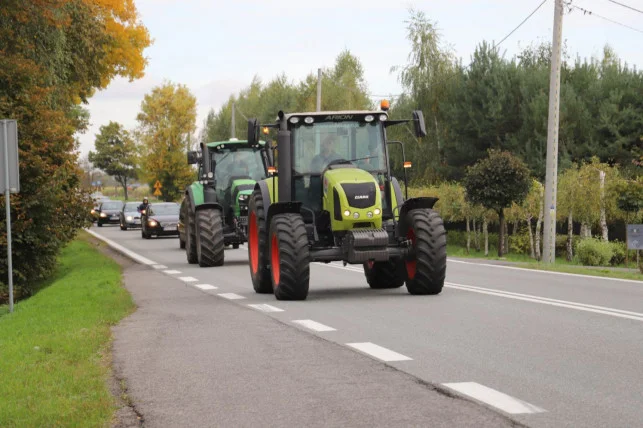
x=426 y=267
x=257 y=246
x=209 y=238
x=190 y=235
x=289 y=257
x=389 y=274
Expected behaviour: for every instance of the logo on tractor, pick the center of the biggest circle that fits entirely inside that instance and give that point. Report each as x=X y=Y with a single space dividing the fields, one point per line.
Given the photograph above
x=361 y=197
x=339 y=117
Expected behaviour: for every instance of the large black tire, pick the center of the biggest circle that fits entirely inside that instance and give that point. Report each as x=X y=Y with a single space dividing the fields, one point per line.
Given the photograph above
x=389 y=274
x=99 y=224
x=257 y=244
x=190 y=235
x=289 y=257
x=209 y=238
x=235 y=246
x=426 y=269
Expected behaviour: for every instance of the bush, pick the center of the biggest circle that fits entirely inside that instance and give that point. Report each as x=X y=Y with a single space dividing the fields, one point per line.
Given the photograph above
x=618 y=250
x=561 y=245
x=519 y=242
x=594 y=252
x=459 y=238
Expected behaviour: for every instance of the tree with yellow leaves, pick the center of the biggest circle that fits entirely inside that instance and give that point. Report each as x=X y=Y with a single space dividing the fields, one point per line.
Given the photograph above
x=167 y=122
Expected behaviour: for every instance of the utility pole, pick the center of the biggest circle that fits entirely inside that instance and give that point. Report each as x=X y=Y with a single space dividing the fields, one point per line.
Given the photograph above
x=232 y=125
x=319 y=82
x=551 y=178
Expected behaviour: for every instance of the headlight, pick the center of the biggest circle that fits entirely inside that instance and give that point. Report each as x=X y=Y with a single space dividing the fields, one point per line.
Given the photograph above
x=347 y=213
x=93 y=211
x=103 y=215
x=383 y=117
x=369 y=214
x=368 y=118
x=152 y=223
x=355 y=215
x=377 y=211
x=210 y=175
x=243 y=197
x=294 y=120
x=130 y=218
x=309 y=120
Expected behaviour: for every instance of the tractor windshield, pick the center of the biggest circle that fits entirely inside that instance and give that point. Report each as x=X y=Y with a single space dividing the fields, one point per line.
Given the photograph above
x=230 y=165
x=315 y=146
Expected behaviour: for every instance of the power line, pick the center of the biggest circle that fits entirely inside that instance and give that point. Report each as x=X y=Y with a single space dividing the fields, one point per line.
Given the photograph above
x=586 y=12
x=521 y=24
x=626 y=6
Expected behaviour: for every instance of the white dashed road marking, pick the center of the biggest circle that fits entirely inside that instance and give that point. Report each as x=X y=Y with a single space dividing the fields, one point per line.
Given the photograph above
x=378 y=352
x=231 y=296
x=159 y=267
x=497 y=399
x=205 y=286
x=172 y=272
x=188 y=279
x=314 y=325
x=266 y=308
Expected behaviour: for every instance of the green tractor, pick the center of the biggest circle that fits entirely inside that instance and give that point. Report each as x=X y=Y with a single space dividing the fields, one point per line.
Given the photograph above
x=333 y=198
x=214 y=212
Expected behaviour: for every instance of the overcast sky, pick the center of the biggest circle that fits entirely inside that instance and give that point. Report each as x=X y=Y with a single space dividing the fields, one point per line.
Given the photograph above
x=215 y=47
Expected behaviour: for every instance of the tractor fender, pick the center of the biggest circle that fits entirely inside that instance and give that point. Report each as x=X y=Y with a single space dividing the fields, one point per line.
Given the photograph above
x=282 y=208
x=210 y=205
x=397 y=191
x=265 y=195
x=413 y=204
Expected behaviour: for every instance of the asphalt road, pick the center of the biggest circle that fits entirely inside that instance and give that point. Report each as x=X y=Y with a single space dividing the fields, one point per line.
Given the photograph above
x=545 y=349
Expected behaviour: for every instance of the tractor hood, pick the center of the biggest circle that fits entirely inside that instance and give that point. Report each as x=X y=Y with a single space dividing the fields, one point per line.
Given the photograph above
x=242 y=186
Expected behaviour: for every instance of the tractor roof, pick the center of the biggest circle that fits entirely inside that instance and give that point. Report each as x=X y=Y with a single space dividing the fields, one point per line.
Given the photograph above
x=233 y=142
x=336 y=113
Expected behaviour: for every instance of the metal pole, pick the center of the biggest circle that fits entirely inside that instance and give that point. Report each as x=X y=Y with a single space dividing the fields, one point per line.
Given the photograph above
x=8 y=211
x=232 y=125
x=319 y=85
x=551 y=178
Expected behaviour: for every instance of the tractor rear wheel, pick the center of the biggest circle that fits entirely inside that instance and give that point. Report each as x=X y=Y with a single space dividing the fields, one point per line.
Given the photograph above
x=257 y=244
x=289 y=257
x=389 y=274
x=427 y=266
x=190 y=235
x=209 y=238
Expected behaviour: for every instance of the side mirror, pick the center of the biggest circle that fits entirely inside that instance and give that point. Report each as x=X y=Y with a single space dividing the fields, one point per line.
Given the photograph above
x=418 y=122
x=193 y=157
x=253 y=131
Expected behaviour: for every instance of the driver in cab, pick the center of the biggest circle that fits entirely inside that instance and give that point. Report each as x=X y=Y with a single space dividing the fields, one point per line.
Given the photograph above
x=327 y=155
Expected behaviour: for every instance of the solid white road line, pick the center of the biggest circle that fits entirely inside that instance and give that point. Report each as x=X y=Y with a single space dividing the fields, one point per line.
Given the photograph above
x=314 y=325
x=619 y=313
x=205 y=286
x=188 y=279
x=266 y=308
x=378 y=352
x=231 y=296
x=120 y=248
x=159 y=267
x=497 y=399
x=172 y=272
x=552 y=302
x=544 y=271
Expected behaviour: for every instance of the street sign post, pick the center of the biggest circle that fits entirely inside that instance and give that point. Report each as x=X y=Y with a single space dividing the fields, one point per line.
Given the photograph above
x=634 y=237
x=9 y=183
x=157 y=186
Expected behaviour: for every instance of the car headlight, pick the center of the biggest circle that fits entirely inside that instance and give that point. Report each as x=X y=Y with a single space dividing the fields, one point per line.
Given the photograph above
x=103 y=215
x=93 y=211
x=243 y=197
x=377 y=211
x=129 y=218
x=152 y=223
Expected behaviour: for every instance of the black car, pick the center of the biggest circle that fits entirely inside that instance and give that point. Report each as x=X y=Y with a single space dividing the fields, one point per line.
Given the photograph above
x=129 y=215
x=109 y=212
x=161 y=219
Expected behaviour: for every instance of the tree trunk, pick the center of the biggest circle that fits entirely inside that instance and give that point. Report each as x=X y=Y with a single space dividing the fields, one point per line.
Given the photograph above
x=585 y=230
x=539 y=224
x=627 y=255
x=532 y=251
x=505 y=247
x=603 y=219
x=476 y=236
x=638 y=260
x=501 y=232
x=485 y=232
x=468 y=236
x=570 y=236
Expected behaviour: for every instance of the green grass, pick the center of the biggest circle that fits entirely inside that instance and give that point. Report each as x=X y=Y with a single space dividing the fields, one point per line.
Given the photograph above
x=561 y=265
x=54 y=348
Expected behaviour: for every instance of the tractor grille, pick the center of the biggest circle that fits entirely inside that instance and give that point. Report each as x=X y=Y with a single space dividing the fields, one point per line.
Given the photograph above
x=360 y=195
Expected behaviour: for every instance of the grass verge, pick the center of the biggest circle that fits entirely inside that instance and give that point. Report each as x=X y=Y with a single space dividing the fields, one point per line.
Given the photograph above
x=53 y=347
x=561 y=265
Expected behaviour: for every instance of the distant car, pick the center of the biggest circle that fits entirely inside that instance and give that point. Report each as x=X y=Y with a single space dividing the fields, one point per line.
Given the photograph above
x=129 y=215
x=97 y=199
x=161 y=219
x=109 y=212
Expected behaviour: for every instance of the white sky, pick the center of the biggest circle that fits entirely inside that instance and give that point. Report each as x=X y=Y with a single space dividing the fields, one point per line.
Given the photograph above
x=215 y=47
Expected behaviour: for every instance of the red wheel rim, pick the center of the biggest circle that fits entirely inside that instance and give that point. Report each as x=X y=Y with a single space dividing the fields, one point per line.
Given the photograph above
x=274 y=256
x=410 y=264
x=253 y=242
